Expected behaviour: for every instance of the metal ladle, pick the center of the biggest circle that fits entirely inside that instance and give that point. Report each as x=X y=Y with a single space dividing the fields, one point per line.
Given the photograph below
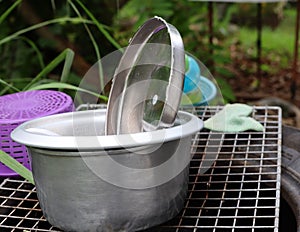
x=148 y=81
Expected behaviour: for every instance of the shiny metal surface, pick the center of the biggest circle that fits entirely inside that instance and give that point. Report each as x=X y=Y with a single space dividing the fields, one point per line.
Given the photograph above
x=85 y=131
x=74 y=198
x=240 y=191
x=107 y=183
x=148 y=82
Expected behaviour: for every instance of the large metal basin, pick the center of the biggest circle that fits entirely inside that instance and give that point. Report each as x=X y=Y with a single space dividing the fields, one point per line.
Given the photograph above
x=86 y=181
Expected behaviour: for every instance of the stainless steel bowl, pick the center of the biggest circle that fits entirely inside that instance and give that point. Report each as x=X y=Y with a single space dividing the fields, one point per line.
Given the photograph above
x=86 y=181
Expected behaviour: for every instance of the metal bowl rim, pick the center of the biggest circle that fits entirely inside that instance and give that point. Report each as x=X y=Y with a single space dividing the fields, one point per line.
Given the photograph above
x=191 y=126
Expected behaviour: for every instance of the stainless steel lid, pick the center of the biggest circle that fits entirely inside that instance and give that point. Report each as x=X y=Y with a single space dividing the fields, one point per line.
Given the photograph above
x=148 y=81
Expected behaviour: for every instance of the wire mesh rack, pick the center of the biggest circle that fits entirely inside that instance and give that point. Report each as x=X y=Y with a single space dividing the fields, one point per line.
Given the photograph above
x=234 y=183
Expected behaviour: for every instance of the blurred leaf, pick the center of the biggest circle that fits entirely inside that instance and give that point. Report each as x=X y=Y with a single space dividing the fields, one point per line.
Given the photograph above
x=69 y=57
x=35 y=48
x=224 y=72
x=66 y=55
x=219 y=58
x=265 y=68
x=13 y=164
x=226 y=90
x=255 y=84
x=59 y=85
x=9 y=10
x=98 y=24
x=8 y=85
x=42 y=24
x=95 y=45
x=4 y=90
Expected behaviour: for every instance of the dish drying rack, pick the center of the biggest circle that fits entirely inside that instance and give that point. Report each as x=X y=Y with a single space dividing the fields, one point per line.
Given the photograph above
x=234 y=182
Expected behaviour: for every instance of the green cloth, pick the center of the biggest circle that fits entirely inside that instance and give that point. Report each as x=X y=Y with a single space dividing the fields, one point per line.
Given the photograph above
x=233 y=118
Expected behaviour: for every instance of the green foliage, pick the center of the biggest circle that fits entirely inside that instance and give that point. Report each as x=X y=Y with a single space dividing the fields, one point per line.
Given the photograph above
x=37 y=52
x=60 y=85
x=93 y=29
x=9 y=10
x=43 y=24
x=67 y=56
x=190 y=18
x=227 y=92
x=100 y=26
x=75 y=15
x=16 y=166
x=142 y=10
x=22 y=56
x=134 y=13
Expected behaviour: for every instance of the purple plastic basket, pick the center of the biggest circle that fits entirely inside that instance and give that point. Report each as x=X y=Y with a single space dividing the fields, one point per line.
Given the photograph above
x=20 y=107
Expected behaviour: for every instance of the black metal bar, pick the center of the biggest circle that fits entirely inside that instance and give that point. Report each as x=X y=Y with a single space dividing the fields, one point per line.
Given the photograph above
x=211 y=34
x=237 y=190
x=293 y=86
x=258 y=42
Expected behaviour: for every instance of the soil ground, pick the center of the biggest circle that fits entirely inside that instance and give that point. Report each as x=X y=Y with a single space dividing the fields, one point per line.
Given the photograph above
x=250 y=89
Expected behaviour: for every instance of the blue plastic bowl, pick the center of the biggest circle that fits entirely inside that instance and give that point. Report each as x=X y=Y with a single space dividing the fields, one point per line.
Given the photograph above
x=208 y=91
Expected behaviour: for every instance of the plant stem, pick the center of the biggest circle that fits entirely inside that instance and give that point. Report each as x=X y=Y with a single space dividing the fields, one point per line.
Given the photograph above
x=42 y=24
x=9 y=85
x=13 y=164
x=67 y=66
x=95 y=45
x=10 y=9
x=54 y=85
x=99 y=26
x=62 y=56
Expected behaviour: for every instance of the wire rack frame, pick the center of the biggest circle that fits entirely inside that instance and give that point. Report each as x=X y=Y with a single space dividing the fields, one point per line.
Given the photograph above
x=234 y=183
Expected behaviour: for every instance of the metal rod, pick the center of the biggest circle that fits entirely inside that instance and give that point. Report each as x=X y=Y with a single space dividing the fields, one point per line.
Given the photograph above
x=295 y=62
x=211 y=34
x=258 y=42
x=238 y=191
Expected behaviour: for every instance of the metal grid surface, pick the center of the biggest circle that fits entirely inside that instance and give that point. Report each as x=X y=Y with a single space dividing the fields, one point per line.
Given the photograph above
x=234 y=183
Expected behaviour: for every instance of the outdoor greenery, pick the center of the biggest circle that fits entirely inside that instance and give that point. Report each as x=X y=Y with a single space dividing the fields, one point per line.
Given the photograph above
x=27 y=61
x=52 y=44
x=39 y=40
x=276 y=42
x=57 y=41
